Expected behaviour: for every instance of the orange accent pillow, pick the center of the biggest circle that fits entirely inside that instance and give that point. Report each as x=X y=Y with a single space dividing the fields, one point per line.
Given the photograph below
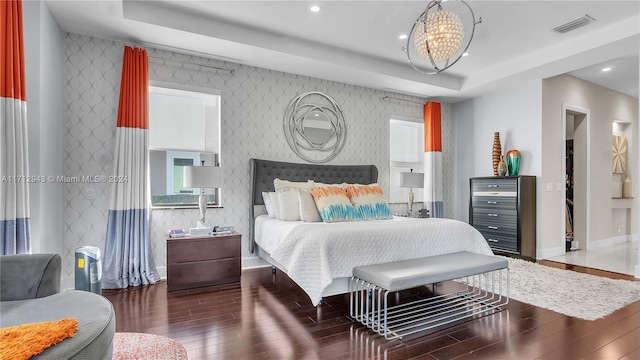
x=26 y=340
x=369 y=201
x=333 y=204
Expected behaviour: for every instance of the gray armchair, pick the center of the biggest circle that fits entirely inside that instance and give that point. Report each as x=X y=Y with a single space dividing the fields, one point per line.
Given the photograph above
x=29 y=276
x=30 y=292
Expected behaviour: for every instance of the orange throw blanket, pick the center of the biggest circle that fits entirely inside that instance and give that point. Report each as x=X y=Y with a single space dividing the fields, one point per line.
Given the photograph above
x=24 y=341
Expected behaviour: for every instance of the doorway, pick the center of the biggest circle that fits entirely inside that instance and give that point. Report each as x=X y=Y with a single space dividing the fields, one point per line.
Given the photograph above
x=575 y=199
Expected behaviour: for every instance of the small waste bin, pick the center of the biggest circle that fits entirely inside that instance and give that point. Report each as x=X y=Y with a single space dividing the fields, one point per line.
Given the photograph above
x=88 y=269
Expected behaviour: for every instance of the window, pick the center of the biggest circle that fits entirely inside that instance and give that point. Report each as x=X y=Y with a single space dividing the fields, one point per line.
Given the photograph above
x=406 y=147
x=184 y=130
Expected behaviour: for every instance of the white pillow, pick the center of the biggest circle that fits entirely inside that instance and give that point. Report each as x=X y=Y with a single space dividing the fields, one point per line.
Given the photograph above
x=314 y=183
x=308 y=210
x=268 y=203
x=289 y=204
x=281 y=184
x=288 y=201
x=276 y=205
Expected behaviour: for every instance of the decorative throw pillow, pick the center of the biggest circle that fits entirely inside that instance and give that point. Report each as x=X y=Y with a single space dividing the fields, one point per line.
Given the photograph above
x=308 y=209
x=314 y=183
x=268 y=203
x=333 y=204
x=276 y=205
x=287 y=192
x=289 y=204
x=369 y=201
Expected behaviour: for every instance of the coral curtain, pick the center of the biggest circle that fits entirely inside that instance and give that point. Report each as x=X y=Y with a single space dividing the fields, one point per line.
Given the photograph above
x=433 y=159
x=127 y=253
x=15 y=230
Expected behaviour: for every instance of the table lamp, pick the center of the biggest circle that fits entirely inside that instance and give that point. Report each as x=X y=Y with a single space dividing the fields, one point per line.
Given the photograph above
x=412 y=181
x=202 y=177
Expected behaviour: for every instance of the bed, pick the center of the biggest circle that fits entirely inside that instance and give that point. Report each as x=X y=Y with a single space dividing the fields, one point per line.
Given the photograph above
x=320 y=257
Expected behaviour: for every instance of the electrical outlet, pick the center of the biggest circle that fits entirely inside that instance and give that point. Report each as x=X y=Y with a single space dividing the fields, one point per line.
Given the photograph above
x=89 y=193
x=549 y=186
x=558 y=186
x=620 y=228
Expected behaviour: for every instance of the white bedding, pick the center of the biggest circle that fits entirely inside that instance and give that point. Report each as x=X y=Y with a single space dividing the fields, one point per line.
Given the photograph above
x=314 y=254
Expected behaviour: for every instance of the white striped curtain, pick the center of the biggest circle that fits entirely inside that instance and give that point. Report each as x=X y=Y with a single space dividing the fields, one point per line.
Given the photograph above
x=127 y=255
x=433 y=198
x=15 y=231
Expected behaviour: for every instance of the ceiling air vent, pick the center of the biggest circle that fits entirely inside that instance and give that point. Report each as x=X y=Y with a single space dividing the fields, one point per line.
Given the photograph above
x=574 y=24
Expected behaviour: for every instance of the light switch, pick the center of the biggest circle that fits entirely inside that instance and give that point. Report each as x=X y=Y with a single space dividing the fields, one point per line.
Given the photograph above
x=549 y=186
x=559 y=187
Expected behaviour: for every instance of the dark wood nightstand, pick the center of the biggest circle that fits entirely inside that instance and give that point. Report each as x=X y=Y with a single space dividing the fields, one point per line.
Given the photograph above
x=203 y=261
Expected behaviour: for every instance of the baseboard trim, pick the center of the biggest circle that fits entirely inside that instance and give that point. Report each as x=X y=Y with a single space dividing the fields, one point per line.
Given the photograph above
x=550 y=252
x=162 y=272
x=599 y=244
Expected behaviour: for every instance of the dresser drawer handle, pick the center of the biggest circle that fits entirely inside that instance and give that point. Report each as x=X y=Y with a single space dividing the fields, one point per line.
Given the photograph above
x=492 y=202
x=492 y=240
x=495 y=215
x=492 y=227
x=492 y=185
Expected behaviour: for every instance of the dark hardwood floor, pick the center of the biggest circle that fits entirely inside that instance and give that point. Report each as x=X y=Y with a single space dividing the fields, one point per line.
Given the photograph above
x=267 y=316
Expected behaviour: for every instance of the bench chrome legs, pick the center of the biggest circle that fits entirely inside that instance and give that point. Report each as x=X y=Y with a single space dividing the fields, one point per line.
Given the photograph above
x=481 y=294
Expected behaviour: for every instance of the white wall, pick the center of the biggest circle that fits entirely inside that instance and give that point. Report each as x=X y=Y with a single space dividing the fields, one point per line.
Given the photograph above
x=515 y=112
x=43 y=60
x=253 y=101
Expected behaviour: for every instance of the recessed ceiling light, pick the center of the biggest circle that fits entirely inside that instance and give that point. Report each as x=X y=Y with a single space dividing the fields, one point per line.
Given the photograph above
x=465 y=54
x=606 y=69
x=315 y=8
x=403 y=36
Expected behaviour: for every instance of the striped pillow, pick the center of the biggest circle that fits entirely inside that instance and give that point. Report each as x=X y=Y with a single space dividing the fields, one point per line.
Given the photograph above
x=369 y=201
x=333 y=204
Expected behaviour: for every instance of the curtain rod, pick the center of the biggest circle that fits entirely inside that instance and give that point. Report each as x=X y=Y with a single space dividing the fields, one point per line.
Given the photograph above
x=395 y=98
x=193 y=63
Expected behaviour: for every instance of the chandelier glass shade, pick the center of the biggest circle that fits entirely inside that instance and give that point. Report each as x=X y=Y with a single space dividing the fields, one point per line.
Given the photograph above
x=439 y=36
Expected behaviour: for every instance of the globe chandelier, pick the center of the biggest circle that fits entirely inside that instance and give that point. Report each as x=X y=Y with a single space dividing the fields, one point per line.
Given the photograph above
x=438 y=36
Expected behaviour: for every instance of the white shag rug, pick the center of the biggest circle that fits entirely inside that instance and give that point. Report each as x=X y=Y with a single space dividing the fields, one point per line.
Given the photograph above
x=568 y=292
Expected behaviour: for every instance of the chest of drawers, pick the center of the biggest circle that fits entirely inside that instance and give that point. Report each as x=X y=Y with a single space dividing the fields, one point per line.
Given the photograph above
x=503 y=209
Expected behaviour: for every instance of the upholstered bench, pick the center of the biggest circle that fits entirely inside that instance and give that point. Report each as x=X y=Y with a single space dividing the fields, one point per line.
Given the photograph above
x=370 y=287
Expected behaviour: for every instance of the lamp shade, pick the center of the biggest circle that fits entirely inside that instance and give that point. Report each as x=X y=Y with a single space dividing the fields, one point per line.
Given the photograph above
x=411 y=180
x=202 y=177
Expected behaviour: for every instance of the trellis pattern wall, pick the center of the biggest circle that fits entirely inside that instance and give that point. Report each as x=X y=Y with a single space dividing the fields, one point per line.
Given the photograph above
x=253 y=104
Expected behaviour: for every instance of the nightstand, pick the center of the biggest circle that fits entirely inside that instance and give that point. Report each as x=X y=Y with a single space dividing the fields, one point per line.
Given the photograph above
x=203 y=261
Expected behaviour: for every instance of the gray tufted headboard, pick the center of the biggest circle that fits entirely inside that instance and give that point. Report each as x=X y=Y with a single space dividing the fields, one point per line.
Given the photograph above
x=263 y=172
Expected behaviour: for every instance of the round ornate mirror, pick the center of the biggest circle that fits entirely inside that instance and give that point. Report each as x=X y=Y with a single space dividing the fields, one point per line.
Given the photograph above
x=314 y=127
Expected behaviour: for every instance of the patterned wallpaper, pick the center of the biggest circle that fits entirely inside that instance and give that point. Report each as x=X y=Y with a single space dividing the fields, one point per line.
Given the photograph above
x=253 y=103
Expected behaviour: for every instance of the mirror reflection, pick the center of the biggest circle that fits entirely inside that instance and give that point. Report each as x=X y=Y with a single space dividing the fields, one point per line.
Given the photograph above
x=317 y=128
x=167 y=177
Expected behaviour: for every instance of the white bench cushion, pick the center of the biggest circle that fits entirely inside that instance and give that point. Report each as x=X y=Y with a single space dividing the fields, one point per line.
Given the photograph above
x=407 y=274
